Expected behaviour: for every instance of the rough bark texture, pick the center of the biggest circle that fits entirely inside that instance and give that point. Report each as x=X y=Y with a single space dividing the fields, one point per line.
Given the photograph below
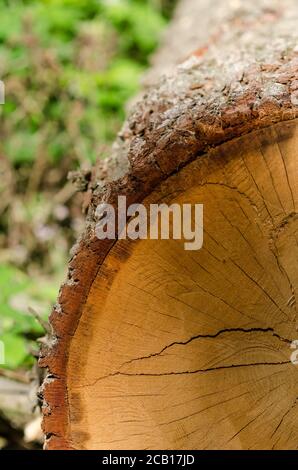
x=242 y=77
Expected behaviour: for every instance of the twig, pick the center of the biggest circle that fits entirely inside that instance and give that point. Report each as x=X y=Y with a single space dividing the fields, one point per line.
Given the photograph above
x=45 y=325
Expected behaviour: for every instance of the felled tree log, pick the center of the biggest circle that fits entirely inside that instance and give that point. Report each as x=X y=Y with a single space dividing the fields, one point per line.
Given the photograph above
x=157 y=347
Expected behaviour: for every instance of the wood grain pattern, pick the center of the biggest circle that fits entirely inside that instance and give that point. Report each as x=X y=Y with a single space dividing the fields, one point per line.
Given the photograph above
x=191 y=350
x=215 y=327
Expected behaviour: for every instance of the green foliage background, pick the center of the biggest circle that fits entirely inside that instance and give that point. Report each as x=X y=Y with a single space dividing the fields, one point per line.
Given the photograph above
x=69 y=67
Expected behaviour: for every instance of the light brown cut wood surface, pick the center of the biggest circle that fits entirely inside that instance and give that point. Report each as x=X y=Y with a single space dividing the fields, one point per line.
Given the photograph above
x=184 y=349
x=156 y=347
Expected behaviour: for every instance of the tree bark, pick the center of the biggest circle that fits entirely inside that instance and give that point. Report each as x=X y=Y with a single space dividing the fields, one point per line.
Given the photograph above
x=157 y=347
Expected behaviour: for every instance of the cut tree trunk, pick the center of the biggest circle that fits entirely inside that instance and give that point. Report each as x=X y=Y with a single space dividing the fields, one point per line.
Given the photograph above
x=157 y=347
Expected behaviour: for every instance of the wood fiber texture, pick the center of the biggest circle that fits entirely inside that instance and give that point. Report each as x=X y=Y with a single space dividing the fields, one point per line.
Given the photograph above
x=240 y=76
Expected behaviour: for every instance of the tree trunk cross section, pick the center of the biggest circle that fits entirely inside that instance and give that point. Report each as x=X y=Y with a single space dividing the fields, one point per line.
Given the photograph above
x=155 y=346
